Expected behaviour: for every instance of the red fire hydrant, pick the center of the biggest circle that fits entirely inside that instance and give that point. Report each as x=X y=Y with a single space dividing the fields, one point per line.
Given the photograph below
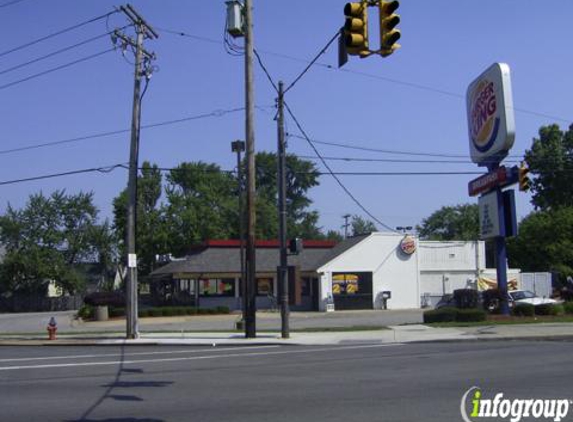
x=52 y=328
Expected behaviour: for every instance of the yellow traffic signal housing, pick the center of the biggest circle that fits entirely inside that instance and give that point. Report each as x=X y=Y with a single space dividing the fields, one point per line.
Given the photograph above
x=388 y=32
x=524 y=181
x=356 y=29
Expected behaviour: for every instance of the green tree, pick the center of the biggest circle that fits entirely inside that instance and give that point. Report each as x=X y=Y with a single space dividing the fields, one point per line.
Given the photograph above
x=550 y=160
x=151 y=234
x=46 y=240
x=544 y=242
x=202 y=204
x=301 y=176
x=460 y=222
x=361 y=225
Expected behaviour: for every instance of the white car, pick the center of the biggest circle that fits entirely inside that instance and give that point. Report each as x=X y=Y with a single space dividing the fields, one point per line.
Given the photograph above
x=525 y=296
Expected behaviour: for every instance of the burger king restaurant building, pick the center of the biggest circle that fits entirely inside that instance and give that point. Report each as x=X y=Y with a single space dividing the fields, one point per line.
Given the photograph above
x=375 y=271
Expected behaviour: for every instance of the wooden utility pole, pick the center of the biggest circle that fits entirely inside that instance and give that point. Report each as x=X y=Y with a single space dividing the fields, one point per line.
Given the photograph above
x=251 y=308
x=281 y=181
x=143 y=30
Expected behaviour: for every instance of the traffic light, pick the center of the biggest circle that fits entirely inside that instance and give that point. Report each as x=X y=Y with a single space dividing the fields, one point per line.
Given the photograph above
x=388 y=32
x=356 y=29
x=524 y=181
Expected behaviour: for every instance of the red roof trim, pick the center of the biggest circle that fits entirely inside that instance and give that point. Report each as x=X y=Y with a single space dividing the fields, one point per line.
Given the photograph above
x=235 y=243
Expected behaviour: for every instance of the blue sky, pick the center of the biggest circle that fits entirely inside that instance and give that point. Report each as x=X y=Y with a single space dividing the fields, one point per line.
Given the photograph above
x=412 y=101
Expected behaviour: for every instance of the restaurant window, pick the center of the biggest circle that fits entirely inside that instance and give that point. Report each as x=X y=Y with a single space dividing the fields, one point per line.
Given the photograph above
x=217 y=287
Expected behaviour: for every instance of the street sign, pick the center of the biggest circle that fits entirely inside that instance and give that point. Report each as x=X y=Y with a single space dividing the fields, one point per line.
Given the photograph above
x=489 y=226
x=491 y=122
x=488 y=181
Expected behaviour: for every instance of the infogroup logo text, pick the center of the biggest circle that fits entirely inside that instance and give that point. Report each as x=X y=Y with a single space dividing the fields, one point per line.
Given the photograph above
x=514 y=410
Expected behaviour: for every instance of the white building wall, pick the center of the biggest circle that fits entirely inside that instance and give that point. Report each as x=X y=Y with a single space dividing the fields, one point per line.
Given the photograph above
x=391 y=269
x=447 y=266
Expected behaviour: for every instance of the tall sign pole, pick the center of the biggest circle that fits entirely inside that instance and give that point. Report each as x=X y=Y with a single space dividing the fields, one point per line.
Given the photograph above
x=250 y=321
x=492 y=132
x=281 y=181
x=143 y=30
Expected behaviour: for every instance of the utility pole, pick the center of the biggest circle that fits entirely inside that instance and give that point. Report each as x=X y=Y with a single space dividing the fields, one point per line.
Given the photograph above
x=238 y=147
x=251 y=309
x=143 y=30
x=346 y=224
x=281 y=181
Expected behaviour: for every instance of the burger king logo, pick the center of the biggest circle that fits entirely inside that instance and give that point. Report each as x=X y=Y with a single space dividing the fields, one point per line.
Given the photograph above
x=408 y=245
x=484 y=123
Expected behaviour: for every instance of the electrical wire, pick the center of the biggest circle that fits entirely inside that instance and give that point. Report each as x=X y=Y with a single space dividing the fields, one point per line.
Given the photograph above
x=216 y=113
x=54 y=69
x=335 y=177
x=10 y=3
x=54 y=53
x=107 y=169
x=313 y=61
x=63 y=31
x=372 y=76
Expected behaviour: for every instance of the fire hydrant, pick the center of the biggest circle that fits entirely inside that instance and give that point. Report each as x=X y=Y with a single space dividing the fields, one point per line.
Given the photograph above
x=52 y=328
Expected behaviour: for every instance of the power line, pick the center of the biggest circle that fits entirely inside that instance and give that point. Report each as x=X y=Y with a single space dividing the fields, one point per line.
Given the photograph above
x=107 y=169
x=63 y=31
x=325 y=164
x=313 y=61
x=54 y=53
x=10 y=3
x=215 y=113
x=54 y=69
x=372 y=76
x=386 y=151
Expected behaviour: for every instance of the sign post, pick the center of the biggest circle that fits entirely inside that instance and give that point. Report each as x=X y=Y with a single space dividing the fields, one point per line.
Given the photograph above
x=491 y=127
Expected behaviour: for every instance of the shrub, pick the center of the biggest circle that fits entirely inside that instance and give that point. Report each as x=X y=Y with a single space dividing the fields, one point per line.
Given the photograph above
x=466 y=298
x=568 y=307
x=105 y=299
x=156 y=312
x=116 y=312
x=143 y=313
x=86 y=312
x=548 y=309
x=191 y=311
x=471 y=315
x=223 y=310
x=440 y=315
x=523 y=309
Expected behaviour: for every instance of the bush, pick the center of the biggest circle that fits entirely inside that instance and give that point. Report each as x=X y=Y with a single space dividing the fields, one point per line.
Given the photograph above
x=116 y=312
x=223 y=310
x=568 y=307
x=523 y=309
x=155 y=312
x=86 y=312
x=441 y=315
x=105 y=299
x=471 y=315
x=548 y=309
x=466 y=298
x=143 y=313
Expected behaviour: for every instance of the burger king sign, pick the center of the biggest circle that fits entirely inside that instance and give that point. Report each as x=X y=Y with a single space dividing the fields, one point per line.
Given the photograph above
x=490 y=115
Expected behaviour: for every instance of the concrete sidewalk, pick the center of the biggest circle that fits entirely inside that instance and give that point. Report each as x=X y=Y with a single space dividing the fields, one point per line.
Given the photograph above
x=392 y=335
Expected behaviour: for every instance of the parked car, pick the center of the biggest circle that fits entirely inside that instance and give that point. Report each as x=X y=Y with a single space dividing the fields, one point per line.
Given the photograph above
x=526 y=296
x=447 y=301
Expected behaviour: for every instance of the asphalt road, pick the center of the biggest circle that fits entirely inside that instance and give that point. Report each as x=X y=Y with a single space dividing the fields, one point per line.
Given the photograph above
x=353 y=382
